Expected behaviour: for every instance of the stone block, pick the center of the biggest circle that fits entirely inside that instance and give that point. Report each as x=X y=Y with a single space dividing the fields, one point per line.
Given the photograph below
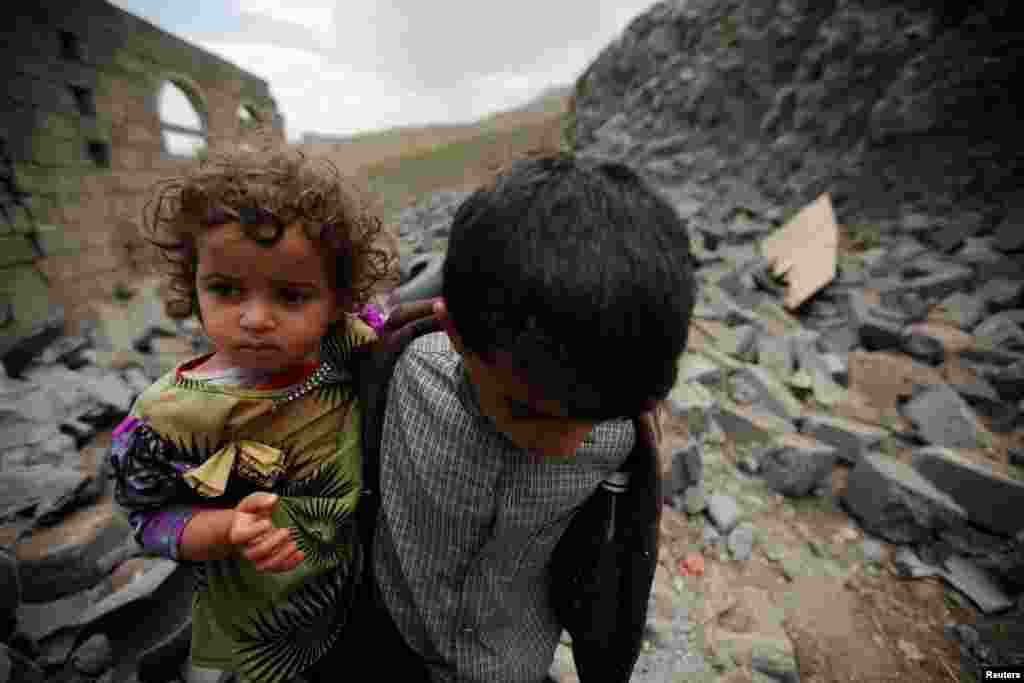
x=943 y=418
x=892 y=500
x=963 y=310
x=877 y=328
x=795 y=466
x=763 y=389
x=851 y=440
x=1009 y=236
x=30 y=332
x=977 y=584
x=687 y=467
x=724 y=512
x=937 y=286
x=992 y=501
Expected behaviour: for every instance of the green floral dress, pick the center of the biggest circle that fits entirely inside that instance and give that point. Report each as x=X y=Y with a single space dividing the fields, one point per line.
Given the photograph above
x=190 y=443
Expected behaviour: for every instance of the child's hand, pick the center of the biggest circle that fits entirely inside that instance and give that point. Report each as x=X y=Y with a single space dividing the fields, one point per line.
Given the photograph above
x=270 y=548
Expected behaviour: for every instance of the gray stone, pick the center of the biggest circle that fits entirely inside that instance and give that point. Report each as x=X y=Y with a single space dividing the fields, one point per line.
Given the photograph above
x=10 y=595
x=22 y=488
x=738 y=341
x=796 y=471
x=80 y=433
x=776 y=354
x=752 y=425
x=1009 y=235
x=724 y=512
x=954 y=233
x=839 y=339
x=877 y=328
x=139 y=589
x=38 y=620
x=94 y=656
x=424 y=285
x=992 y=502
x=964 y=310
x=943 y=418
x=1016 y=456
x=741 y=541
x=17 y=351
x=768 y=392
x=109 y=389
x=748 y=464
x=851 y=440
x=16 y=668
x=978 y=390
x=971 y=542
x=696 y=367
x=908 y=304
x=873 y=550
x=814 y=365
x=933 y=287
x=136 y=379
x=88 y=491
x=710 y=535
x=687 y=467
x=1000 y=332
x=73 y=565
x=1001 y=294
x=893 y=501
x=1009 y=382
x=57 y=449
x=909 y=565
x=689 y=396
x=977 y=584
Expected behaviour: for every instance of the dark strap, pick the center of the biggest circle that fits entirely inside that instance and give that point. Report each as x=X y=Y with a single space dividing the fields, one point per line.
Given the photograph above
x=373 y=368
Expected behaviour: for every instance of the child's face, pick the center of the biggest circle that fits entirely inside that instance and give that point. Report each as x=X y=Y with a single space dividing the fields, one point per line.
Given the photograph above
x=520 y=411
x=264 y=308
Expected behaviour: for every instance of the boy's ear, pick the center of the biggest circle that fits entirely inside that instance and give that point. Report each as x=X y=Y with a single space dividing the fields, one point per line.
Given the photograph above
x=441 y=311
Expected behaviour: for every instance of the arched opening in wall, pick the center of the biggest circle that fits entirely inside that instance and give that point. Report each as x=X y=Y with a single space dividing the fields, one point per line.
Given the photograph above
x=247 y=117
x=181 y=126
x=248 y=122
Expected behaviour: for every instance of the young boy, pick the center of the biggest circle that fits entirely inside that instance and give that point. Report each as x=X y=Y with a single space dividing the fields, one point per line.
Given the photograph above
x=567 y=296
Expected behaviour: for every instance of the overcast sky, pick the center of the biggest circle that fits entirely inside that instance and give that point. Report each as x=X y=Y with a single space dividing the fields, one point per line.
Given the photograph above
x=343 y=66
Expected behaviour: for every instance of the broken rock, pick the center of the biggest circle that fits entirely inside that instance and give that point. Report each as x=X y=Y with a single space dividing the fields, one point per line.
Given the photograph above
x=796 y=465
x=851 y=440
x=877 y=327
x=992 y=502
x=894 y=501
x=977 y=584
x=943 y=418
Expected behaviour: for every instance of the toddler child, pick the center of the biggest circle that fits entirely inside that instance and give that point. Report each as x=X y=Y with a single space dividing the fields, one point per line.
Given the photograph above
x=246 y=460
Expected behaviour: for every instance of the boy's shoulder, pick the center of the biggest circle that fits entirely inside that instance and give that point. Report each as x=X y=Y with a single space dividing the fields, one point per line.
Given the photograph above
x=432 y=350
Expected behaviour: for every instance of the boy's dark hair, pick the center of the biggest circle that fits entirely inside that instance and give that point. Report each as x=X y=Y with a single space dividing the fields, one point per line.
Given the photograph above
x=581 y=273
x=264 y=193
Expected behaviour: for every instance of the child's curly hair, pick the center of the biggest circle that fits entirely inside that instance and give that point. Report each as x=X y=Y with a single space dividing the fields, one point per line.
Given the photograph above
x=264 y=195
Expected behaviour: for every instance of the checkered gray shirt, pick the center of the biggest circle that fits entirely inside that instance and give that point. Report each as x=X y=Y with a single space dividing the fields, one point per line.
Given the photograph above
x=468 y=523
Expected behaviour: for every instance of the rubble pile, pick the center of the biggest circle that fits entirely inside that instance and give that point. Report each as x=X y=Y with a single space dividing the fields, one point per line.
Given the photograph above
x=905 y=371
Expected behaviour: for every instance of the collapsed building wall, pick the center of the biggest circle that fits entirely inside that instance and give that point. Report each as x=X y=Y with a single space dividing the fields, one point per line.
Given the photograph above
x=85 y=135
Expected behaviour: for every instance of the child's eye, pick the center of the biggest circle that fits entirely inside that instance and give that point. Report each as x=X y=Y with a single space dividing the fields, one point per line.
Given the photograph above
x=295 y=297
x=223 y=290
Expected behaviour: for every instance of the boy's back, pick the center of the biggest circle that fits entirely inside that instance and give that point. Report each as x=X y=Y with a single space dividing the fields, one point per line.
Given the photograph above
x=567 y=294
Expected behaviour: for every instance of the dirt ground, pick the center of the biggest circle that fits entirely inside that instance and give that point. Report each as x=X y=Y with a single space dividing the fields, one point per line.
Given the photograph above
x=864 y=624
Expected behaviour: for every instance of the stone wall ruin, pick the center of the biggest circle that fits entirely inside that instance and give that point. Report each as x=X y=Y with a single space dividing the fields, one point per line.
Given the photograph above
x=82 y=142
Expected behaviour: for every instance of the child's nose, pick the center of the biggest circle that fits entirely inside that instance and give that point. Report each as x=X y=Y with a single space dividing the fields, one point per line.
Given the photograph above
x=257 y=314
